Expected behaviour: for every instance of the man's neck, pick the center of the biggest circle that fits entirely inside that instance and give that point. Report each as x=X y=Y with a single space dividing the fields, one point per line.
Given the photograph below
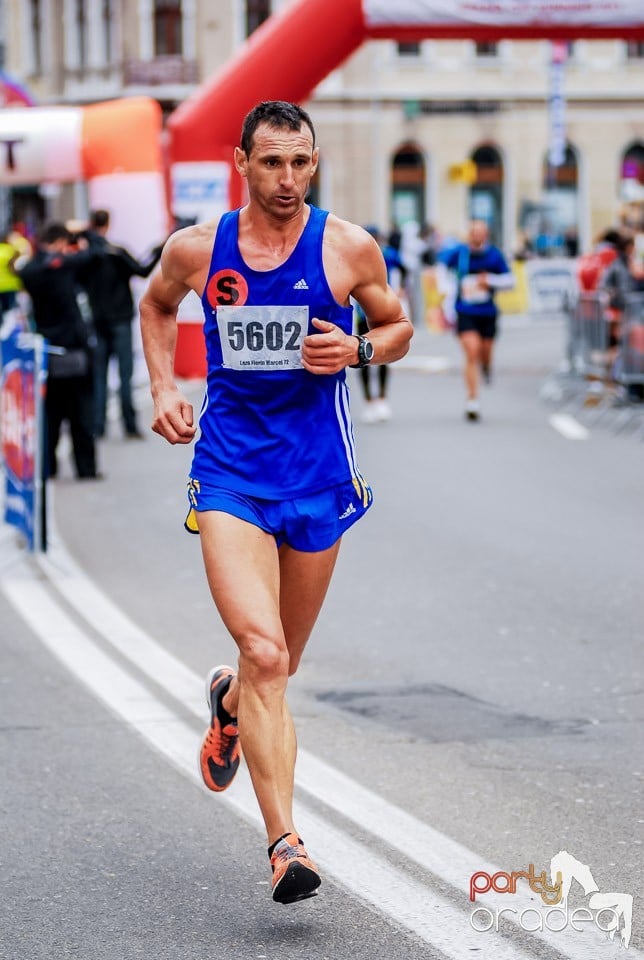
x=275 y=237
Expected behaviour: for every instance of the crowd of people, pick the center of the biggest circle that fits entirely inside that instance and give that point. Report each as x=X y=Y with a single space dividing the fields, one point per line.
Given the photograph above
x=79 y=298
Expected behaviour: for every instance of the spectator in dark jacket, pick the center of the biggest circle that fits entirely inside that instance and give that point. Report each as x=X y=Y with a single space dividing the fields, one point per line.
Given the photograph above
x=50 y=278
x=107 y=281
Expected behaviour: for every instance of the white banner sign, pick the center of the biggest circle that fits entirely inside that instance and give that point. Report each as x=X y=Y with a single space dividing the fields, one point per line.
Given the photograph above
x=40 y=145
x=517 y=13
x=200 y=189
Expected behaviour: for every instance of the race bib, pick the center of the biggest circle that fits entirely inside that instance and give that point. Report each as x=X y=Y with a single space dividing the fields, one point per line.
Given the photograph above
x=262 y=338
x=470 y=290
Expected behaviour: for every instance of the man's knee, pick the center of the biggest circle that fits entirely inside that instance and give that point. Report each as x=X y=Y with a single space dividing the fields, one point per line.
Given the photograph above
x=265 y=658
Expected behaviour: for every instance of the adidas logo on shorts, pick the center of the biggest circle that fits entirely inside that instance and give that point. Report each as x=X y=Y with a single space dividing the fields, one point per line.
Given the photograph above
x=301 y=285
x=347 y=513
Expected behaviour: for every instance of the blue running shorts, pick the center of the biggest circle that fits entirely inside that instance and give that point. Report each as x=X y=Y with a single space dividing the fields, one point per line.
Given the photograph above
x=310 y=523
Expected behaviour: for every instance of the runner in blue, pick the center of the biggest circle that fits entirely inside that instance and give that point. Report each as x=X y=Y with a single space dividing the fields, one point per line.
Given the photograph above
x=480 y=269
x=274 y=482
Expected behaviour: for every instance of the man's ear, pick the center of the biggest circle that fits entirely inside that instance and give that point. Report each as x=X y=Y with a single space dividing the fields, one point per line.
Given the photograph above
x=241 y=161
x=315 y=160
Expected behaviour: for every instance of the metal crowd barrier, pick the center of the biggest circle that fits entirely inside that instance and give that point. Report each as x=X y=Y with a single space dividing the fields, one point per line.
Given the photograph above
x=589 y=335
x=629 y=365
x=603 y=372
x=630 y=362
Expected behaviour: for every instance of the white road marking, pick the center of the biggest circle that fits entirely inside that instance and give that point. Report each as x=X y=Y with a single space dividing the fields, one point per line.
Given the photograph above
x=568 y=427
x=433 y=851
x=368 y=876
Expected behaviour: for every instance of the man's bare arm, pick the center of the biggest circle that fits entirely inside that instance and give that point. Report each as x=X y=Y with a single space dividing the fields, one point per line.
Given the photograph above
x=173 y=416
x=358 y=269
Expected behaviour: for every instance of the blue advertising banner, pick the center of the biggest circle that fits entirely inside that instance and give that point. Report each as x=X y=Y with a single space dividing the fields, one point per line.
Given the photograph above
x=22 y=374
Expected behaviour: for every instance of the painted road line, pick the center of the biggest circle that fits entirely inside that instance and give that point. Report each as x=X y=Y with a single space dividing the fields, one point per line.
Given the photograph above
x=369 y=877
x=436 y=853
x=568 y=427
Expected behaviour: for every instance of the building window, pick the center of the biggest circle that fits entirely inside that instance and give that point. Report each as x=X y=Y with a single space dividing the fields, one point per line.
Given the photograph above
x=487 y=49
x=408 y=186
x=107 y=18
x=632 y=174
x=635 y=50
x=256 y=12
x=559 y=211
x=35 y=33
x=410 y=49
x=486 y=193
x=81 y=34
x=168 y=39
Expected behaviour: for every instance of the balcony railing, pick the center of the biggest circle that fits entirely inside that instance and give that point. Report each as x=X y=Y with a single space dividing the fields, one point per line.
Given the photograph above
x=168 y=69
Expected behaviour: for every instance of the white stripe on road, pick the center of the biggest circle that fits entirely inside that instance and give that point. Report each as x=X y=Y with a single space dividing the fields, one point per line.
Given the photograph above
x=568 y=427
x=436 y=853
x=370 y=877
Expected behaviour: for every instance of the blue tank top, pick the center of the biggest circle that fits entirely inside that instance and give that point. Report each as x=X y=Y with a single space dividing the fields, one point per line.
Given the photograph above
x=268 y=428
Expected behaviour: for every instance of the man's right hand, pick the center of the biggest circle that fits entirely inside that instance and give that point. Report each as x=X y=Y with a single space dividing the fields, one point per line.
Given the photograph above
x=173 y=417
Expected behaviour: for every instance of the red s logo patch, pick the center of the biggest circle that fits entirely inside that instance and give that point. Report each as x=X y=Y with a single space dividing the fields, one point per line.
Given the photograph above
x=227 y=288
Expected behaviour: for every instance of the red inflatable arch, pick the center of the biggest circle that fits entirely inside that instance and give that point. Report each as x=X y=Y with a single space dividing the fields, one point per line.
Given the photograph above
x=293 y=51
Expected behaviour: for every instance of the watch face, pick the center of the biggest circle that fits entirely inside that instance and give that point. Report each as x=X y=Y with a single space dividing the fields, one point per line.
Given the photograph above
x=367 y=349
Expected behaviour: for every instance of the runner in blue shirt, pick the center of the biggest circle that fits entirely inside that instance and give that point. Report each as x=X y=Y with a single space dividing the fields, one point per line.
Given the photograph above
x=480 y=270
x=274 y=481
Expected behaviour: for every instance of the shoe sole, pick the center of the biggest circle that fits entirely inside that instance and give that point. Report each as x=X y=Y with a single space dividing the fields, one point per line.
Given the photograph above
x=209 y=679
x=298 y=883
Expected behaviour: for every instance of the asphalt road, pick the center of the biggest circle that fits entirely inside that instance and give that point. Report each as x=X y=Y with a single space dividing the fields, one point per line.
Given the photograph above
x=471 y=699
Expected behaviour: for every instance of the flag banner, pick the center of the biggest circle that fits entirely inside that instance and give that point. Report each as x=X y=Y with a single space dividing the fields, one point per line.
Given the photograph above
x=517 y=13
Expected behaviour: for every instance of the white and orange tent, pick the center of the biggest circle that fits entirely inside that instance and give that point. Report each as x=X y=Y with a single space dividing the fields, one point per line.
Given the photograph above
x=115 y=147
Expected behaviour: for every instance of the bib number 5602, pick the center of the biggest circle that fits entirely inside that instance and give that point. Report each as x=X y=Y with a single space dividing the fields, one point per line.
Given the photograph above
x=254 y=336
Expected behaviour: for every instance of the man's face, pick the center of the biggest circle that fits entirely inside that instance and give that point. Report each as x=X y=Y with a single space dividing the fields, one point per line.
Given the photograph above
x=478 y=234
x=279 y=168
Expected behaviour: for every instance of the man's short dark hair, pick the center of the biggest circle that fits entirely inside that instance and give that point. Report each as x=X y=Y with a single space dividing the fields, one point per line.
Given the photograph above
x=53 y=231
x=99 y=219
x=276 y=113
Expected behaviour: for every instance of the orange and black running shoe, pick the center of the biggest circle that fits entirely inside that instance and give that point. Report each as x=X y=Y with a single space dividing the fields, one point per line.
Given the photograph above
x=219 y=753
x=295 y=876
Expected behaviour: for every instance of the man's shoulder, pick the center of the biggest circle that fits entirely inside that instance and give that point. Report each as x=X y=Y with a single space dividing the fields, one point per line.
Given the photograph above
x=188 y=250
x=194 y=237
x=498 y=256
x=344 y=233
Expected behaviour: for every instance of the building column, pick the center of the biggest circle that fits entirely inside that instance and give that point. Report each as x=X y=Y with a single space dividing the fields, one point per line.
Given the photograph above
x=146 y=30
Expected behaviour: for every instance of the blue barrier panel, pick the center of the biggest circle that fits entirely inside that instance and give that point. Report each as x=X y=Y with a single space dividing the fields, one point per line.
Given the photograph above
x=23 y=373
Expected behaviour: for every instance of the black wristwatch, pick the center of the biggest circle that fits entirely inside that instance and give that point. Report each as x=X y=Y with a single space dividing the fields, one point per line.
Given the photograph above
x=365 y=352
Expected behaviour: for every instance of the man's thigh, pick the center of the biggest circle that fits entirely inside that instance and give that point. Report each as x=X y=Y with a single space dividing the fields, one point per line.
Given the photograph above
x=304 y=581
x=242 y=567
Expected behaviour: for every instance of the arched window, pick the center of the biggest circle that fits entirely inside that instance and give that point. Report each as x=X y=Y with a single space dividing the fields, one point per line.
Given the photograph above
x=632 y=173
x=408 y=185
x=485 y=200
x=557 y=230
